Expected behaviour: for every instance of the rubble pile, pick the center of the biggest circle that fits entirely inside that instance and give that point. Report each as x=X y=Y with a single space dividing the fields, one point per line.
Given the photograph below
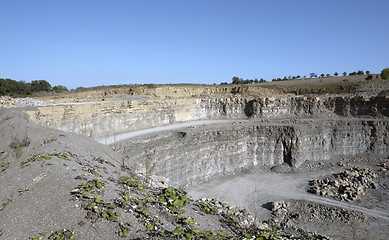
x=6 y=101
x=240 y=215
x=287 y=212
x=279 y=210
x=29 y=102
x=345 y=186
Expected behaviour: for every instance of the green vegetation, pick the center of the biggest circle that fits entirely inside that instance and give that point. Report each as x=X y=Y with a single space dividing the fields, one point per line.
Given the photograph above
x=49 y=140
x=206 y=208
x=63 y=234
x=173 y=198
x=42 y=157
x=385 y=74
x=147 y=203
x=4 y=166
x=21 y=88
x=237 y=80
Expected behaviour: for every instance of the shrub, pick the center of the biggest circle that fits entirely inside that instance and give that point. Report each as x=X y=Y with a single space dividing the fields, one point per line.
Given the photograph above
x=385 y=73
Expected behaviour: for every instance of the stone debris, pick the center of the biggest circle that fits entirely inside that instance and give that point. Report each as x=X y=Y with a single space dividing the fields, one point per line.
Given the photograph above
x=242 y=218
x=29 y=102
x=279 y=210
x=345 y=186
x=287 y=214
x=385 y=165
x=7 y=102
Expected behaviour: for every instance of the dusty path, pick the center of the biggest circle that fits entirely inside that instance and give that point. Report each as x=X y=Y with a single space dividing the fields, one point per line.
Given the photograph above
x=122 y=136
x=254 y=190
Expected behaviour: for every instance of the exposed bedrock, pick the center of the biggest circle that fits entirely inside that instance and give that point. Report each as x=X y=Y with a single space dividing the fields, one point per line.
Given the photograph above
x=196 y=154
x=99 y=119
x=278 y=129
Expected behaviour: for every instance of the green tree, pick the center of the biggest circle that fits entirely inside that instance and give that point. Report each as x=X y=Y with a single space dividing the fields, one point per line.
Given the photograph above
x=336 y=74
x=235 y=80
x=322 y=75
x=60 y=89
x=328 y=75
x=368 y=72
x=344 y=74
x=385 y=74
x=40 y=86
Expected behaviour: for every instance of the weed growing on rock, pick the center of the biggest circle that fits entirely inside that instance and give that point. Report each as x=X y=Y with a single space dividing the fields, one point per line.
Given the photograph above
x=60 y=155
x=96 y=208
x=63 y=234
x=4 y=205
x=47 y=141
x=131 y=183
x=33 y=159
x=4 y=166
x=42 y=157
x=124 y=227
x=206 y=208
x=173 y=199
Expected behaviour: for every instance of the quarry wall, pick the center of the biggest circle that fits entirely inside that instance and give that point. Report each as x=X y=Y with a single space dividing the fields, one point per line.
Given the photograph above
x=102 y=118
x=194 y=155
x=264 y=131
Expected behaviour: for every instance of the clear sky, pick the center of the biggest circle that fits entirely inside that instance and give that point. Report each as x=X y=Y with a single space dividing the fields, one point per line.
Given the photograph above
x=104 y=42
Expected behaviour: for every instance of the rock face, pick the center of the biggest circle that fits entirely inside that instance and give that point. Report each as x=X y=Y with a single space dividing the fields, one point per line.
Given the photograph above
x=262 y=130
x=98 y=119
x=197 y=154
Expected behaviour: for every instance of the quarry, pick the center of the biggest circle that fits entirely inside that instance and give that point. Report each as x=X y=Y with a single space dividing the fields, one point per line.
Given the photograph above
x=312 y=162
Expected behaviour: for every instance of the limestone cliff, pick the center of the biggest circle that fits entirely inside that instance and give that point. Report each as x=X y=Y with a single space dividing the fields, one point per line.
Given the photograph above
x=97 y=119
x=197 y=154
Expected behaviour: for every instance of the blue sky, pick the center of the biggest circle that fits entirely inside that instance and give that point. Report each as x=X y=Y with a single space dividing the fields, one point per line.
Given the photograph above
x=95 y=42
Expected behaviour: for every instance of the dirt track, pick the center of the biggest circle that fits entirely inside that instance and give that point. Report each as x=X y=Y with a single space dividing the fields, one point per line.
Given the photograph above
x=119 y=137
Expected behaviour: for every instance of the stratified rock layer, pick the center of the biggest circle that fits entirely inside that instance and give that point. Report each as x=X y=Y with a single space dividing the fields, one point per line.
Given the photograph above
x=261 y=131
x=102 y=118
x=197 y=154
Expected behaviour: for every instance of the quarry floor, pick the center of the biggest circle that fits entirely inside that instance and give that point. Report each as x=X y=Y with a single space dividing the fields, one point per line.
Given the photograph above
x=254 y=191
